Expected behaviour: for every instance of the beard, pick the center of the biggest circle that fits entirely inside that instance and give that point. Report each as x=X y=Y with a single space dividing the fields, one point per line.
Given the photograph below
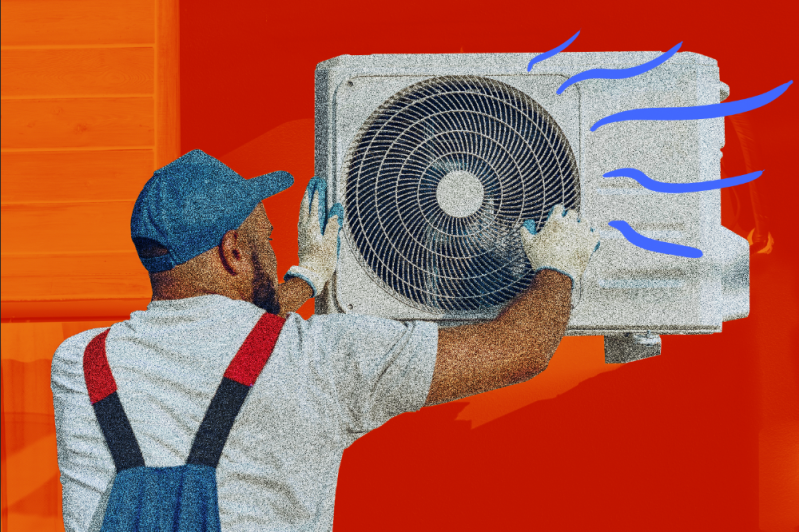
x=264 y=295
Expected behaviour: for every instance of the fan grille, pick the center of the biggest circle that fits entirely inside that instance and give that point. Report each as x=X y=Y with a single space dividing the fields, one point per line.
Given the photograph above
x=457 y=254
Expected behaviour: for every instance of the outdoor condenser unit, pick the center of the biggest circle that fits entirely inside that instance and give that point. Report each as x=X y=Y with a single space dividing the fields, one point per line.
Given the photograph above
x=439 y=159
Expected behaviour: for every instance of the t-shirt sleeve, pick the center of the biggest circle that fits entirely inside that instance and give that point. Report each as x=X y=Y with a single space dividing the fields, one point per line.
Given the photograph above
x=377 y=368
x=87 y=470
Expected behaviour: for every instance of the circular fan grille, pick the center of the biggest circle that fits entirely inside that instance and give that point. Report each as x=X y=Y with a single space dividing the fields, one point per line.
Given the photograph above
x=438 y=182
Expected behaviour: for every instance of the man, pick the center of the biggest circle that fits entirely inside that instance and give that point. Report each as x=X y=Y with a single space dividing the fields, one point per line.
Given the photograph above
x=203 y=234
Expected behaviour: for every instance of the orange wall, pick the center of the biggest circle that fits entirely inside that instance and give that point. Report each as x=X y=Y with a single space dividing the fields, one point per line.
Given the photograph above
x=89 y=109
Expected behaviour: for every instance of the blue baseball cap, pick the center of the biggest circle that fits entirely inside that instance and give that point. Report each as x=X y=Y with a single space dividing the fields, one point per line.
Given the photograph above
x=189 y=204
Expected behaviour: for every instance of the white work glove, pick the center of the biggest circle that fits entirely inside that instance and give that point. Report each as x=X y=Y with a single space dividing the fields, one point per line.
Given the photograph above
x=565 y=244
x=318 y=250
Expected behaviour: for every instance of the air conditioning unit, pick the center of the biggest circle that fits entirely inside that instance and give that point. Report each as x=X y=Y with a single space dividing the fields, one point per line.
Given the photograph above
x=439 y=159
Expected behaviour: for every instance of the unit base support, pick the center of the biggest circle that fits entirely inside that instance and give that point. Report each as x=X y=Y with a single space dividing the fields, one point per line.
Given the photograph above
x=630 y=347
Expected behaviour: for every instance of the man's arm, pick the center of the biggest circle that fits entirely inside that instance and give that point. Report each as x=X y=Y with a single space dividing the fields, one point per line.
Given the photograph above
x=518 y=343
x=292 y=295
x=513 y=348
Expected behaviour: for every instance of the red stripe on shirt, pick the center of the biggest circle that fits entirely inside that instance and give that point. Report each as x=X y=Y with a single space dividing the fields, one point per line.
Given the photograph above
x=96 y=370
x=255 y=351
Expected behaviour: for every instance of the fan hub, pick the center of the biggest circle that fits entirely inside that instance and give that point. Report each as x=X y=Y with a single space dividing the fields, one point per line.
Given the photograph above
x=460 y=193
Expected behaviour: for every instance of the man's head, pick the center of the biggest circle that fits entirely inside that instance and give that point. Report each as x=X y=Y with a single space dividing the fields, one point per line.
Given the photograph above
x=200 y=228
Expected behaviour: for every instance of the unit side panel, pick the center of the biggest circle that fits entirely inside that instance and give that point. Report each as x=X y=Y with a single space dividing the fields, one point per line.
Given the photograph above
x=627 y=285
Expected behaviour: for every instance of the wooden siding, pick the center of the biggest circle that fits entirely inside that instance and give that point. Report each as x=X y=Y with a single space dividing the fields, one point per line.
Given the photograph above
x=63 y=23
x=41 y=124
x=61 y=227
x=71 y=176
x=77 y=72
x=90 y=99
x=167 y=91
x=92 y=275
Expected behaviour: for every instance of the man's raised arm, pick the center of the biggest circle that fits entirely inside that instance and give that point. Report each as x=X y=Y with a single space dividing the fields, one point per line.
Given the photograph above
x=518 y=344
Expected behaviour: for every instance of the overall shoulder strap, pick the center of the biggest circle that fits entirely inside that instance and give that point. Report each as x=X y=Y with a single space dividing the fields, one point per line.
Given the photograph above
x=112 y=418
x=241 y=374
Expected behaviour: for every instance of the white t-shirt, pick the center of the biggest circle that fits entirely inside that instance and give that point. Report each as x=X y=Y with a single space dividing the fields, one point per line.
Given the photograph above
x=330 y=380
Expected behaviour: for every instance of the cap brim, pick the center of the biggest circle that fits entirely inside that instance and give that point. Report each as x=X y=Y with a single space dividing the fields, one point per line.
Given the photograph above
x=270 y=184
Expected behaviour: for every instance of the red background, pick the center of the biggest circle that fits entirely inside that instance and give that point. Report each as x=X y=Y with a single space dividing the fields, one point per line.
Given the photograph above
x=704 y=437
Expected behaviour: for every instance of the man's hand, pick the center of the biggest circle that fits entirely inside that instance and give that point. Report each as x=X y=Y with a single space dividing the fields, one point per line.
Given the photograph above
x=317 y=236
x=565 y=244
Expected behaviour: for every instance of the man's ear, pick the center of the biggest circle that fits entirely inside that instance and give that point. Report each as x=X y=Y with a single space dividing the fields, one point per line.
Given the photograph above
x=231 y=252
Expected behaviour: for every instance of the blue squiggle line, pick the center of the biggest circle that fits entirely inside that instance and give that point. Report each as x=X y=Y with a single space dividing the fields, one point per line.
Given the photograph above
x=676 y=188
x=698 y=112
x=650 y=244
x=618 y=73
x=547 y=55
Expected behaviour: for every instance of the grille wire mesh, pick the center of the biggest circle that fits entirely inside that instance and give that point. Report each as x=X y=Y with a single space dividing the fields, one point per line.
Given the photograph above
x=405 y=241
